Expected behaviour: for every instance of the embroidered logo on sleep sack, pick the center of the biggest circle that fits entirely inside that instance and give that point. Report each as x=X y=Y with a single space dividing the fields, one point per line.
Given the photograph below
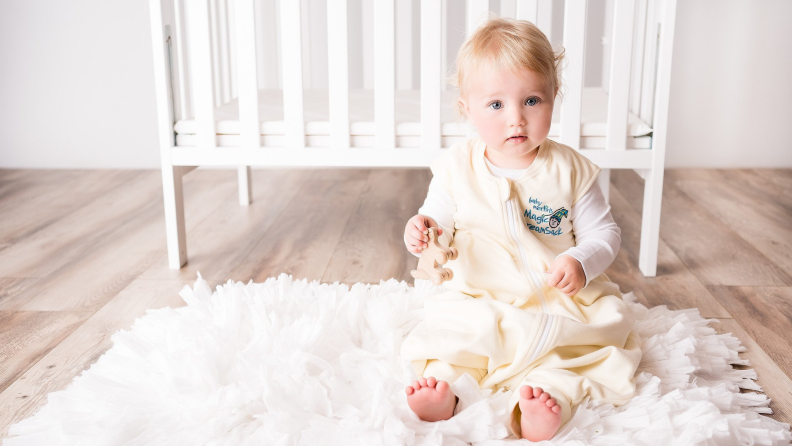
x=548 y=216
x=555 y=218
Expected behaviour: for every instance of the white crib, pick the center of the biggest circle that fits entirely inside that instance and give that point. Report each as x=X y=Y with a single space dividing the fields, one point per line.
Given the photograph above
x=211 y=110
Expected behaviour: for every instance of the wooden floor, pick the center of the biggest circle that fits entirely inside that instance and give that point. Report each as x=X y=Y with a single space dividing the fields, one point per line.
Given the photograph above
x=82 y=254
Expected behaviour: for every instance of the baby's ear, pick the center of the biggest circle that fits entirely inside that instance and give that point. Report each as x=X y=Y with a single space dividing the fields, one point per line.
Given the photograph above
x=462 y=107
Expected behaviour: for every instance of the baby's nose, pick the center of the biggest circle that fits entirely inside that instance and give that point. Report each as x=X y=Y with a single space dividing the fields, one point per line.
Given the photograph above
x=517 y=120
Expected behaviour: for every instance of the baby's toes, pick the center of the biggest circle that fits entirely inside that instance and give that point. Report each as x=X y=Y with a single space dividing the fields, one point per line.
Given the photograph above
x=550 y=402
x=526 y=392
x=544 y=397
x=409 y=390
x=556 y=408
x=431 y=381
x=537 y=392
x=416 y=385
x=423 y=382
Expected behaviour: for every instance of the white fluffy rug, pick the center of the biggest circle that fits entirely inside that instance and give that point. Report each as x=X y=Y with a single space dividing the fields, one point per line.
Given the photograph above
x=289 y=362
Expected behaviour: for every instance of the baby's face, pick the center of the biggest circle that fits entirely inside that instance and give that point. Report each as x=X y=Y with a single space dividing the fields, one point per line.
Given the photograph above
x=501 y=105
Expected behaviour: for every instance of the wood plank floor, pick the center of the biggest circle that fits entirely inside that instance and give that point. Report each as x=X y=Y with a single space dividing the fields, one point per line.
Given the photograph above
x=82 y=254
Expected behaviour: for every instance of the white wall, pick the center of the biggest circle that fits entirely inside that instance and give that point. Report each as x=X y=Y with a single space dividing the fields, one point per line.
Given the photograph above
x=731 y=86
x=76 y=83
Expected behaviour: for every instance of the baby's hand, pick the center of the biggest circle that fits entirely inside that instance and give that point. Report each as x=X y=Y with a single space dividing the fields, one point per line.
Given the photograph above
x=567 y=274
x=414 y=235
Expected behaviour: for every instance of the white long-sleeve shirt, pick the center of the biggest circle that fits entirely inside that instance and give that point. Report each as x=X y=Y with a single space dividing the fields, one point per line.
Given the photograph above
x=597 y=237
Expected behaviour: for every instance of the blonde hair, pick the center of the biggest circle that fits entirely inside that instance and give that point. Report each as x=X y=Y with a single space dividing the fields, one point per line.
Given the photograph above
x=506 y=44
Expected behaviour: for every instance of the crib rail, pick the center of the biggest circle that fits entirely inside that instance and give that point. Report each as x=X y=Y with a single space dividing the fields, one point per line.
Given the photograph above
x=208 y=53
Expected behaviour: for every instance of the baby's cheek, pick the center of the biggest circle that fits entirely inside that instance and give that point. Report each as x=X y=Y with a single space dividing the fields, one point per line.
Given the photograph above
x=487 y=128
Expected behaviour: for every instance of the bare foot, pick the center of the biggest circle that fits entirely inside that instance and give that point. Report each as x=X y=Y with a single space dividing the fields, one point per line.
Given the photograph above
x=541 y=414
x=431 y=400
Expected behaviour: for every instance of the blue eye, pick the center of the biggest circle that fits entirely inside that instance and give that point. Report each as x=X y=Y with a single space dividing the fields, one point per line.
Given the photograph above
x=532 y=101
x=496 y=102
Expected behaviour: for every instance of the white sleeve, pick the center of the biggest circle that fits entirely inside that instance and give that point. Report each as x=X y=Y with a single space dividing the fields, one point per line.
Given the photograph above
x=441 y=207
x=597 y=237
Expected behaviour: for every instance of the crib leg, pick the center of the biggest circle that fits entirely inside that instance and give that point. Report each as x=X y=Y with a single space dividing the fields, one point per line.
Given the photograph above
x=174 y=216
x=245 y=185
x=650 y=222
x=604 y=183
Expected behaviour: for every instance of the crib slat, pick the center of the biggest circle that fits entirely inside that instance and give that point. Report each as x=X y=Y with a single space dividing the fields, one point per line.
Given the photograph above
x=404 y=50
x=291 y=51
x=430 y=73
x=508 y=8
x=619 y=89
x=267 y=32
x=650 y=54
x=636 y=72
x=306 y=16
x=365 y=35
x=477 y=14
x=338 y=72
x=184 y=85
x=574 y=45
x=222 y=19
x=232 y=74
x=544 y=17
x=261 y=42
x=201 y=72
x=526 y=10
x=384 y=75
x=247 y=77
x=215 y=52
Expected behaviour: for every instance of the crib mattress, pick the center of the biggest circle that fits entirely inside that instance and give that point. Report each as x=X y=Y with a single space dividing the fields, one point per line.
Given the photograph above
x=593 y=125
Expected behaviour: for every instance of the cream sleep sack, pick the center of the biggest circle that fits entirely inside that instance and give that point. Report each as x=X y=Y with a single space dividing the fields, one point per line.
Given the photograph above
x=498 y=319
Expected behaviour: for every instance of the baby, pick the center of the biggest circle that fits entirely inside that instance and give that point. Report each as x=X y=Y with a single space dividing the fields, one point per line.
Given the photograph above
x=529 y=308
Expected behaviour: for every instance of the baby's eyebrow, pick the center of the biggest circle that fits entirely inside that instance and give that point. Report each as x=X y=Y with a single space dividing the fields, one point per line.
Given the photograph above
x=500 y=93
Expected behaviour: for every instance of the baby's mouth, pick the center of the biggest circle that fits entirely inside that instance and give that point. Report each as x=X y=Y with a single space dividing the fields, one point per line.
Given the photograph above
x=517 y=139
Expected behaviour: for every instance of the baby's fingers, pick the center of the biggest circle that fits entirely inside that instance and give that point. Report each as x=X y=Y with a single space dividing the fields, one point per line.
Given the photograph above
x=415 y=228
x=417 y=235
x=414 y=249
x=416 y=243
x=554 y=279
x=570 y=290
x=419 y=223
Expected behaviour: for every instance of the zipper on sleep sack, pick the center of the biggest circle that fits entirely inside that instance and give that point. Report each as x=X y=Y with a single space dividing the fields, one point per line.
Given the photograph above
x=523 y=256
x=532 y=276
x=543 y=339
x=539 y=287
